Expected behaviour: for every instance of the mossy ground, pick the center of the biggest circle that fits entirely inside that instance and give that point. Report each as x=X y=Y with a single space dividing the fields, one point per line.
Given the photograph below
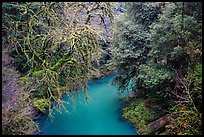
x=139 y=114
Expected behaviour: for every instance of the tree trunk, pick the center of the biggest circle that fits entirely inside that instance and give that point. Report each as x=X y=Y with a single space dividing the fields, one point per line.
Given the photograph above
x=182 y=15
x=199 y=5
x=186 y=7
x=184 y=11
x=160 y=123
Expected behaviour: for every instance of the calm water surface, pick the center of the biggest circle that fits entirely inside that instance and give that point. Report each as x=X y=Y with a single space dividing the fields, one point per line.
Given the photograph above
x=100 y=115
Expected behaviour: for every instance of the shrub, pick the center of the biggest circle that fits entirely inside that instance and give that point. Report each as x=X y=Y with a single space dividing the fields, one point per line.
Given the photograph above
x=155 y=78
x=188 y=122
x=138 y=114
x=41 y=104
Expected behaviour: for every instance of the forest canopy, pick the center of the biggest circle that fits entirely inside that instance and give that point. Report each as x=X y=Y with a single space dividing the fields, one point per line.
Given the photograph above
x=53 y=48
x=157 y=47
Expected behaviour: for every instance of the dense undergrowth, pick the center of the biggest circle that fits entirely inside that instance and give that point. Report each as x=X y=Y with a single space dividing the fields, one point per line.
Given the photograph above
x=157 y=50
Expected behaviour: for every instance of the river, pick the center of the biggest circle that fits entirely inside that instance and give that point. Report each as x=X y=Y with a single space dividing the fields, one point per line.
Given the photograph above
x=100 y=115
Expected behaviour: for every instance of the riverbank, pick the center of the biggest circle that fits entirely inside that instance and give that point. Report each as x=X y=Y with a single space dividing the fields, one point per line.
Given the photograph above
x=103 y=74
x=147 y=115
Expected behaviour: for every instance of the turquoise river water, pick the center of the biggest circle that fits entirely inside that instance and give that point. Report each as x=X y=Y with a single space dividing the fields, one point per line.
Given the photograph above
x=100 y=115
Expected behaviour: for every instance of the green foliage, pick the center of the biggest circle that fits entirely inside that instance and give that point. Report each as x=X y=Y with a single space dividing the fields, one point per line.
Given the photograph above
x=131 y=40
x=124 y=51
x=155 y=49
x=138 y=114
x=144 y=13
x=52 y=49
x=196 y=75
x=177 y=39
x=10 y=10
x=41 y=104
x=172 y=34
x=188 y=122
x=155 y=78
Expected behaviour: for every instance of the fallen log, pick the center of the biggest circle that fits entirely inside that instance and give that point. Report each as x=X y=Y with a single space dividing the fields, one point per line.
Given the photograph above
x=159 y=124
